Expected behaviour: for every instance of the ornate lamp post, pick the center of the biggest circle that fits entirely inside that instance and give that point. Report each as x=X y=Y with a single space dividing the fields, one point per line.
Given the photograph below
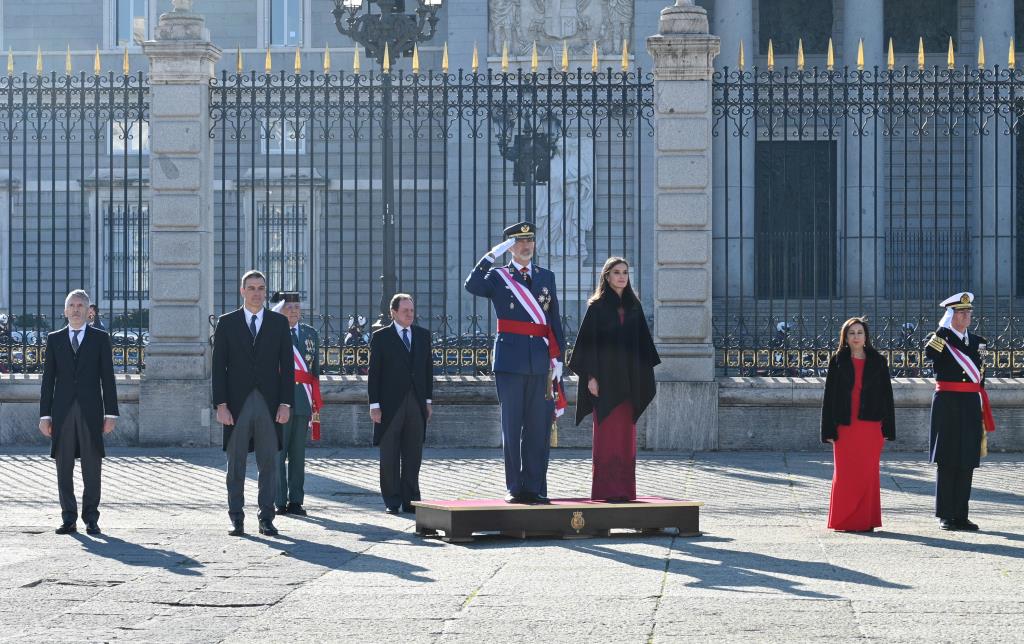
x=396 y=32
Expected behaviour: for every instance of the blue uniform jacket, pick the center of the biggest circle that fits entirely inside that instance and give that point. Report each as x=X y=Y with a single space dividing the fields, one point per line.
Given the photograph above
x=514 y=353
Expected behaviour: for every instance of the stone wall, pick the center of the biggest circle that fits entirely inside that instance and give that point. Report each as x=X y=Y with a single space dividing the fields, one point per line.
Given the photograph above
x=753 y=414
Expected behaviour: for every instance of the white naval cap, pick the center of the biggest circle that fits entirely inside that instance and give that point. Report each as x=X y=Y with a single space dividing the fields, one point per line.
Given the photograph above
x=959 y=302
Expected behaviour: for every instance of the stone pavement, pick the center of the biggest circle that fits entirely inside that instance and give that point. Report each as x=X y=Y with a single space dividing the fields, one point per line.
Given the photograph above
x=765 y=570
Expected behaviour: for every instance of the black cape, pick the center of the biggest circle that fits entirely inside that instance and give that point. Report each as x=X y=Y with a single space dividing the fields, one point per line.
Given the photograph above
x=621 y=357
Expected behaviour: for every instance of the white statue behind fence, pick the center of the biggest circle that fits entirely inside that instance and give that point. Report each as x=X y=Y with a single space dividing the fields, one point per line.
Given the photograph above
x=565 y=206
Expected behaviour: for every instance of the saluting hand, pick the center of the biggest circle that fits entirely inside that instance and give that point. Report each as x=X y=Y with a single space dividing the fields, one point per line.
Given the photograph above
x=592 y=387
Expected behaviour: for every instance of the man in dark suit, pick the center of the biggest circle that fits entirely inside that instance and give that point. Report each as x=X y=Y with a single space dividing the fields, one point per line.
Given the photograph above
x=528 y=350
x=253 y=390
x=961 y=413
x=77 y=406
x=400 y=388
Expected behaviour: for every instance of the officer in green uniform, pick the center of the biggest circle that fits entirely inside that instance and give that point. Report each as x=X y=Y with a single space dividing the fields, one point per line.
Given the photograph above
x=291 y=460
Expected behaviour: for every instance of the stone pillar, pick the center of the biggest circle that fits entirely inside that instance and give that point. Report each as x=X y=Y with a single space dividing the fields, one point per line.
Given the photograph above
x=993 y=258
x=862 y=225
x=733 y=22
x=174 y=404
x=685 y=412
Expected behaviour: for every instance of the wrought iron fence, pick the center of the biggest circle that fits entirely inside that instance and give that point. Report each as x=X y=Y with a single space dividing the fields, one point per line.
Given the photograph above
x=73 y=210
x=326 y=182
x=872 y=192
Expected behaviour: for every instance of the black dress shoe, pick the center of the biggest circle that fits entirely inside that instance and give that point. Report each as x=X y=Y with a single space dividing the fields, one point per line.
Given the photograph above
x=67 y=528
x=516 y=498
x=539 y=499
x=267 y=528
x=968 y=525
x=948 y=524
x=391 y=510
x=281 y=509
x=408 y=509
x=92 y=527
x=238 y=528
x=295 y=508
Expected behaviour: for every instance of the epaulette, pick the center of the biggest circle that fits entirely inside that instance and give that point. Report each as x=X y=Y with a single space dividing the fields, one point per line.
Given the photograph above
x=937 y=343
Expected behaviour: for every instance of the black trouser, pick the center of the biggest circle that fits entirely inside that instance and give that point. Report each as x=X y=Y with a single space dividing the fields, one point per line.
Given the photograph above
x=401 y=452
x=72 y=436
x=952 y=492
x=253 y=423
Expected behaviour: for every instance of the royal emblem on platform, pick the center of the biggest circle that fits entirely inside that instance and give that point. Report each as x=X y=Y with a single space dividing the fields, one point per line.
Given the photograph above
x=544 y=298
x=577 y=522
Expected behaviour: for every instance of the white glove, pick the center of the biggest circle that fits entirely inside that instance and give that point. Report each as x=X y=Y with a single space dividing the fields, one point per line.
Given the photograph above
x=556 y=372
x=501 y=248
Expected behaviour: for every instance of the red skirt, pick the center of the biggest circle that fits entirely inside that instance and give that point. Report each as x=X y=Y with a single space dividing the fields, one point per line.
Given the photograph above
x=856 y=501
x=614 y=469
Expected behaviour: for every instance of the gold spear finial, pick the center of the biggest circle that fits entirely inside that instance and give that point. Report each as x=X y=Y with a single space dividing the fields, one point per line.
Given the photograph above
x=298 y=61
x=593 y=58
x=39 y=62
x=860 y=55
x=238 y=59
x=476 y=58
x=771 y=55
x=950 y=60
x=96 y=62
x=800 y=54
x=743 y=57
x=415 y=59
x=890 y=59
x=1011 y=58
x=267 y=63
x=565 y=56
x=830 y=57
x=920 y=54
x=981 y=53
x=444 y=58
x=67 y=61
x=10 y=61
x=327 y=59
x=625 y=54
x=504 y=57
x=124 y=64
x=355 y=60
x=534 y=62
x=387 y=59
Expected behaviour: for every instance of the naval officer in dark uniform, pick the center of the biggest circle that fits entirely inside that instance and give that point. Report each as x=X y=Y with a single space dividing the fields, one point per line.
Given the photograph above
x=528 y=350
x=960 y=410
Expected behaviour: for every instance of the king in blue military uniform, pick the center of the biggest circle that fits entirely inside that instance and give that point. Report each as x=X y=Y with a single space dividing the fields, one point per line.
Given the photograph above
x=528 y=350
x=291 y=460
x=961 y=413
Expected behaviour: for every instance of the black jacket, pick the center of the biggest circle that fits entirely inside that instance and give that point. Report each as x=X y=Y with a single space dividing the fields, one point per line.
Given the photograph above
x=875 y=399
x=239 y=366
x=87 y=378
x=621 y=356
x=394 y=371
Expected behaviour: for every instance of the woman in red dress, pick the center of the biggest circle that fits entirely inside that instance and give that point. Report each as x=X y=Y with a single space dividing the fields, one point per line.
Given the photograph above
x=857 y=416
x=614 y=357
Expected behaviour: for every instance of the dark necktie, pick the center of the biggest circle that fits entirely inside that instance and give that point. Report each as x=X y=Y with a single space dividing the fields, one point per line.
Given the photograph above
x=295 y=336
x=252 y=328
x=405 y=339
x=526 y=275
x=74 y=340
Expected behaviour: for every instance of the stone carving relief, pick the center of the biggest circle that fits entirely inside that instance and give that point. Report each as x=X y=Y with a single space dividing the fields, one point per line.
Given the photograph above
x=565 y=206
x=551 y=22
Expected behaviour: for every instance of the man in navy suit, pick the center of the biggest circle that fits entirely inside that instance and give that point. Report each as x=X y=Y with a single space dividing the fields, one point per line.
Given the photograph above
x=528 y=350
x=77 y=406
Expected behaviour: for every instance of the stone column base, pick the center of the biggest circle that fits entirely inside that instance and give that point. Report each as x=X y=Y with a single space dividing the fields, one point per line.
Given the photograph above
x=683 y=417
x=177 y=413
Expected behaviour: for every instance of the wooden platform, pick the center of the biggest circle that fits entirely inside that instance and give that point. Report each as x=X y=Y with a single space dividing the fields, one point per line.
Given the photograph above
x=459 y=520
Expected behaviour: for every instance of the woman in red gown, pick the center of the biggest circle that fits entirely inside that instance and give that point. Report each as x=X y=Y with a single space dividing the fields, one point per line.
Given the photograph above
x=857 y=416
x=614 y=357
